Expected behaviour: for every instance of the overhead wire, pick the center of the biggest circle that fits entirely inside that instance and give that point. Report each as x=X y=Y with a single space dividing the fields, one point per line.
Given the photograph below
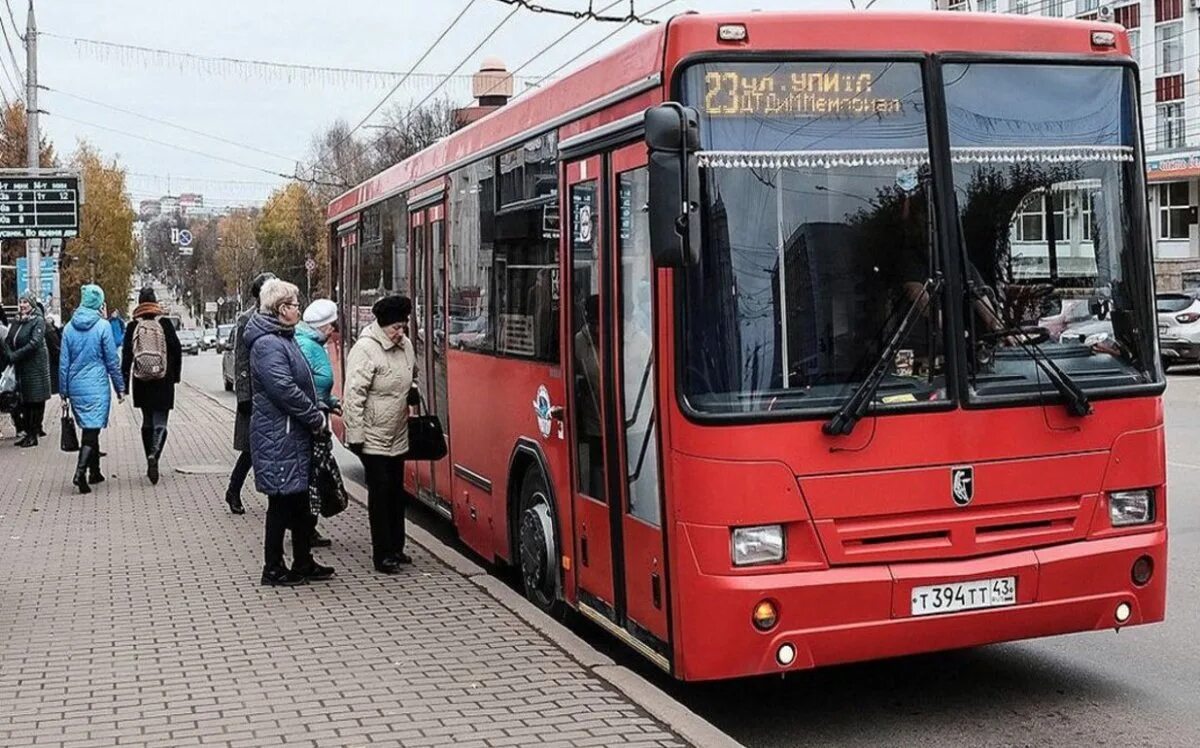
x=425 y=55
x=220 y=65
x=584 y=15
x=167 y=123
x=8 y=43
x=175 y=146
x=13 y=18
x=467 y=58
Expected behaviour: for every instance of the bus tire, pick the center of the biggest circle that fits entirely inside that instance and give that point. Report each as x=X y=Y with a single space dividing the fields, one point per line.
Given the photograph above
x=538 y=545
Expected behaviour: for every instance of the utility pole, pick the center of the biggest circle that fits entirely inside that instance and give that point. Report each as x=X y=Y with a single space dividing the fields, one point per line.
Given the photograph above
x=33 y=247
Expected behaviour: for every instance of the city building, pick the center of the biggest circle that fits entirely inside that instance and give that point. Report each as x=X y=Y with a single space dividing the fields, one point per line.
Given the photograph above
x=1165 y=38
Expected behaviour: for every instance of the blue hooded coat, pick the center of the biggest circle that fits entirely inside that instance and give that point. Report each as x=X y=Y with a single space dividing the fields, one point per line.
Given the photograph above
x=312 y=345
x=285 y=413
x=87 y=364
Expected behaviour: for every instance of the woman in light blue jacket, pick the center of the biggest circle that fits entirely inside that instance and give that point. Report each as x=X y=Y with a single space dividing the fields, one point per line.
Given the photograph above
x=86 y=367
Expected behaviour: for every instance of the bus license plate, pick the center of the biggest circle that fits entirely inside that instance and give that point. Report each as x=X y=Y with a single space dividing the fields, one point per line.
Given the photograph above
x=948 y=598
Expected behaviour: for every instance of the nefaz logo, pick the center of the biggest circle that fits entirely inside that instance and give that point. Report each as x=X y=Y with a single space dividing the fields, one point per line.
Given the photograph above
x=962 y=484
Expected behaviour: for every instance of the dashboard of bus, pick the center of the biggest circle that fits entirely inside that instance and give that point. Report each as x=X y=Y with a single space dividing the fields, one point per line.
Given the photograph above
x=826 y=217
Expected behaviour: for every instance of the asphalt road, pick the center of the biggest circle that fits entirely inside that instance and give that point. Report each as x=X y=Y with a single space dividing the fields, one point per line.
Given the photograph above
x=1139 y=687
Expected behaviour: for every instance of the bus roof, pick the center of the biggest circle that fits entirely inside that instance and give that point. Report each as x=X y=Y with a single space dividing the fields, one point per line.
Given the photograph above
x=636 y=68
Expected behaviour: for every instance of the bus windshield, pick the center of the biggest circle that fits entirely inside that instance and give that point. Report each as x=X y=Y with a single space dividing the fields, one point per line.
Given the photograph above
x=817 y=236
x=1046 y=182
x=820 y=232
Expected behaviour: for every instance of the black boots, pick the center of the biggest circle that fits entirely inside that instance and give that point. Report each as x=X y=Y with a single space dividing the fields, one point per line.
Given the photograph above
x=234 y=501
x=30 y=440
x=95 y=475
x=81 y=466
x=154 y=440
x=281 y=576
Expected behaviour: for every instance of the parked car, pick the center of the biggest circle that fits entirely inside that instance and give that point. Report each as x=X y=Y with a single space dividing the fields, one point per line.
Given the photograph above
x=224 y=337
x=1070 y=311
x=227 y=358
x=189 y=341
x=1178 y=328
x=208 y=339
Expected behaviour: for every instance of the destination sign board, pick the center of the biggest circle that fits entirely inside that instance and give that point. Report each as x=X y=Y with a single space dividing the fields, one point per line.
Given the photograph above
x=744 y=91
x=39 y=207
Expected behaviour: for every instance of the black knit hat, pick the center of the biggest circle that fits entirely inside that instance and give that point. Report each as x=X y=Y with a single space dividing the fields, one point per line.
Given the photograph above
x=147 y=296
x=257 y=284
x=392 y=309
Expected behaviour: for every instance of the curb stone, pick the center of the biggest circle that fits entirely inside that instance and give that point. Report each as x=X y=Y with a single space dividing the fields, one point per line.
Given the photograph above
x=686 y=723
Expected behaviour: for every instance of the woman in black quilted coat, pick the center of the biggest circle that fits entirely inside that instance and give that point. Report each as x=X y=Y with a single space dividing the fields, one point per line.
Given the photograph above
x=25 y=348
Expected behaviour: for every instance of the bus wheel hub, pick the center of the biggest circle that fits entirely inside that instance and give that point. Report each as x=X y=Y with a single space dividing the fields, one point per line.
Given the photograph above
x=536 y=550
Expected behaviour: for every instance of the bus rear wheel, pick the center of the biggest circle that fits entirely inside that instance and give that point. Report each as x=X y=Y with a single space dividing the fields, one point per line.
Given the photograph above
x=538 y=547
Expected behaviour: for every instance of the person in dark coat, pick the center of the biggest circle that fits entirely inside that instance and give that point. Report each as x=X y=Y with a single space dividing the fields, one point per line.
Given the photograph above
x=155 y=397
x=88 y=372
x=25 y=348
x=53 y=349
x=285 y=417
x=241 y=385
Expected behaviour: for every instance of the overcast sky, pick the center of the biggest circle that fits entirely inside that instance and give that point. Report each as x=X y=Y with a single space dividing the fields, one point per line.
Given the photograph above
x=267 y=113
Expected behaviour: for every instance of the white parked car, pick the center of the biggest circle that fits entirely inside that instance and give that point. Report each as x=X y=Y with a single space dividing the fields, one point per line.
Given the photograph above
x=1178 y=328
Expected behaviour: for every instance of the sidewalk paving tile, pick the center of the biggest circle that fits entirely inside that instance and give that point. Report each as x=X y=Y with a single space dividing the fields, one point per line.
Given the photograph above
x=134 y=615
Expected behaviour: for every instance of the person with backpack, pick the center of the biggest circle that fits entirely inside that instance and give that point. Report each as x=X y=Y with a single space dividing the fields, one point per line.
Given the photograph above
x=88 y=372
x=152 y=362
x=317 y=324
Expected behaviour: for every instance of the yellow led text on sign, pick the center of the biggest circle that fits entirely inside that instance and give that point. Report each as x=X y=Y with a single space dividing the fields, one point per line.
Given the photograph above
x=732 y=94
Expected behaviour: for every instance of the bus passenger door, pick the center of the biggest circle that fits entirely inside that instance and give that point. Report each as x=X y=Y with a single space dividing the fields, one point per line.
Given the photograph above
x=435 y=387
x=420 y=474
x=636 y=415
x=584 y=362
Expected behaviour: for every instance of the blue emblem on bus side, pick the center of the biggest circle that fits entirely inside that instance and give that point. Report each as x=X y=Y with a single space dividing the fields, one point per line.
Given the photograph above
x=541 y=408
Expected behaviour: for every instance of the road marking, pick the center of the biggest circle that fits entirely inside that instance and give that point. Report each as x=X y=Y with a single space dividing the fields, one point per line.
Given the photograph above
x=1183 y=465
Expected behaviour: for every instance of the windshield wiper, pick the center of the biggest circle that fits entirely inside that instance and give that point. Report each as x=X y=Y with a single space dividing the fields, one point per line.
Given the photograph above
x=852 y=411
x=1075 y=398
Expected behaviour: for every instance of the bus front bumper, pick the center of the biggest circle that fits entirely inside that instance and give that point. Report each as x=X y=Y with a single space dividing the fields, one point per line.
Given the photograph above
x=848 y=614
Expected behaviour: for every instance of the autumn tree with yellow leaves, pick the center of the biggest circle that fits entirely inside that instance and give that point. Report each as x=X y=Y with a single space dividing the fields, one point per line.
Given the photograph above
x=104 y=252
x=289 y=232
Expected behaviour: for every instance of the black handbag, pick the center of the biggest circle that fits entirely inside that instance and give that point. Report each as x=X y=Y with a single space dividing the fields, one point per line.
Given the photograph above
x=326 y=492
x=426 y=439
x=70 y=439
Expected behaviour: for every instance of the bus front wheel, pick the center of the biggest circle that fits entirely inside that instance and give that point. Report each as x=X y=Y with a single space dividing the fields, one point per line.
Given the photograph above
x=538 y=545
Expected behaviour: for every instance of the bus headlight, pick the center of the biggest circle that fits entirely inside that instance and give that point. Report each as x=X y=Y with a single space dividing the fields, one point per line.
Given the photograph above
x=757 y=545
x=1127 y=508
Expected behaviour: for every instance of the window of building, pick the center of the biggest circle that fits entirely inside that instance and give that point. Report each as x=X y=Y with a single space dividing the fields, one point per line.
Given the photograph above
x=1020 y=7
x=526 y=242
x=1087 y=209
x=986 y=6
x=1031 y=218
x=1055 y=8
x=1168 y=40
x=1173 y=209
x=472 y=203
x=1135 y=44
x=1171 y=126
x=1086 y=6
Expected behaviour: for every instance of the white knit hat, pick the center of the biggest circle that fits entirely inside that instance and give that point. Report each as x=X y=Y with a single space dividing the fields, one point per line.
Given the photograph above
x=320 y=312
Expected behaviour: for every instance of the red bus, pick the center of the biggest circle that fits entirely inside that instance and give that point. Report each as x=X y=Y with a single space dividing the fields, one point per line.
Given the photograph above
x=734 y=333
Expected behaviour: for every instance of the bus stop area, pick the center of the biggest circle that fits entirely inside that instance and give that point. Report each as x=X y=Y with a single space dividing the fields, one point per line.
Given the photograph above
x=134 y=616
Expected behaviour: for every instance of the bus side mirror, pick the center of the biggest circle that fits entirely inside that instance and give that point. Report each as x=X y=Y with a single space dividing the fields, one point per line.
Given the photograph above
x=672 y=139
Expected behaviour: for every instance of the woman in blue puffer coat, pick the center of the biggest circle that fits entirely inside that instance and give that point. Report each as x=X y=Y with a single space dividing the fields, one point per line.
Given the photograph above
x=86 y=366
x=284 y=417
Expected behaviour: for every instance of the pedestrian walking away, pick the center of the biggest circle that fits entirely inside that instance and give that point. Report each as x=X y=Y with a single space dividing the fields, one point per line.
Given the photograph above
x=118 y=329
x=152 y=363
x=241 y=385
x=381 y=389
x=285 y=418
x=25 y=349
x=53 y=347
x=319 y=322
x=86 y=368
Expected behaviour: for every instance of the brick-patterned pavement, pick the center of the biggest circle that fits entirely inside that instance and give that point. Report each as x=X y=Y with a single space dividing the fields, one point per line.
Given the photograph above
x=133 y=616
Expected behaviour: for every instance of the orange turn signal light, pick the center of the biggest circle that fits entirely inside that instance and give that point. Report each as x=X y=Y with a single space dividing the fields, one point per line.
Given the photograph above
x=766 y=615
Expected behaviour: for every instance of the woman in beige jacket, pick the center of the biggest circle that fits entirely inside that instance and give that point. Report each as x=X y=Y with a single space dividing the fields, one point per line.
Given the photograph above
x=381 y=387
